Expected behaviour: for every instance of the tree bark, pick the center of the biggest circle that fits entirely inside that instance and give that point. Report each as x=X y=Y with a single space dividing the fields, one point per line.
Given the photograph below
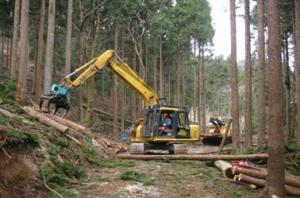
x=290 y=180
x=68 y=123
x=261 y=110
x=49 y=47
x=39 y=53
x=287 y=85
x=114 y=95
x=155 y=73
x=248 y=78
x=80 y=114
x=14 y=50
x=91 y=82
x=275 y=132
x=68 y=49
x=45 y=120
x=133 y=94
x=161 y=73
x=225 y=167
x=195 y=157
x=234 y=80
x=261 y=183
x=297 y=61
x=23 y=63
x=202 y=89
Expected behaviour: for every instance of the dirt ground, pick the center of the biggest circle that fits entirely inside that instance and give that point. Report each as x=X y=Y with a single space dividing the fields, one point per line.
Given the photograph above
x=160 y=179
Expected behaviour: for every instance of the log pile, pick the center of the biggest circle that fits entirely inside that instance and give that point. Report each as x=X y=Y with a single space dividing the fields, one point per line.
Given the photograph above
x=68 y=128
x=255 y=177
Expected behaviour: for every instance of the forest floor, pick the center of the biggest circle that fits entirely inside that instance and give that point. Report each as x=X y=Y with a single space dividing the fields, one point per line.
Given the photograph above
x=36 y=160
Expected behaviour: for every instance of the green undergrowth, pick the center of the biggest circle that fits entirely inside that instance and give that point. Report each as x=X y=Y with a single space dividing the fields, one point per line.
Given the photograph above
x=290 y=147
x=95 y=159
x=28 y=138
x=132 y=175
x=18 y=136
x=7 y=92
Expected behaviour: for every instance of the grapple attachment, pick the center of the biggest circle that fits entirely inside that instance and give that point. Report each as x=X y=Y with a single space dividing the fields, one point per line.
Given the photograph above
x=57 y=101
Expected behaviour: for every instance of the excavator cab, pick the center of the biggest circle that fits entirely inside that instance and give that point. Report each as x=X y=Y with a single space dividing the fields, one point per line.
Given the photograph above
x=177 y=116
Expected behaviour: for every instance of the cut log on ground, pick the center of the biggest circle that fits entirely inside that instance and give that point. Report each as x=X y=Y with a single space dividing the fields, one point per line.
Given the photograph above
x=196 y=157
x=11 y=115
x=45 y=120
x=68 y=123
x=261 y=174
x=225 y=167
x=7 y=113
x=291 y=190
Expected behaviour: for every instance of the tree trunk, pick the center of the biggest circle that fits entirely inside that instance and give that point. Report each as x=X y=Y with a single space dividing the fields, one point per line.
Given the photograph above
x=133 y=94
x=121 y=87
x=90 y=85
x=195 y=157
x=234 y=80
x=161 y=73
x=297 y=58
x=287 y=83
x=202 y=88
x=275 y=132
x=248 y=78
x=261 y=174
x=114 y=95
x=14 y=50
x=261 y=110
x=155 y=73
x=68 y=49
x=49 y=47
x=39 y=53
x=45 y=120
x=23 y=63
x=80 y=114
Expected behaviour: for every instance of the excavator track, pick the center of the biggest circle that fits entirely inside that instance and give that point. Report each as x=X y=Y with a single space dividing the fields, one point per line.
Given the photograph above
x=179 y=149
x=137 y=148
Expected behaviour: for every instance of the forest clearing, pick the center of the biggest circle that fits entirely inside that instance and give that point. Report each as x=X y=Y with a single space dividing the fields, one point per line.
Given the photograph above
x=161 y=98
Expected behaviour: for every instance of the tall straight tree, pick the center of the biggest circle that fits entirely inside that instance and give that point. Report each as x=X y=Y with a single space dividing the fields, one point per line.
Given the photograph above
x=248 y=77
x=297 y=58
x=234 y=80
x=14 y=50
x=39 y=53
x=68 y=49
x=23 y=63
x=50 y=47
x=90 y=86
x=261 y=74
x=276 y=171
x=115 y=87
x=202 y=88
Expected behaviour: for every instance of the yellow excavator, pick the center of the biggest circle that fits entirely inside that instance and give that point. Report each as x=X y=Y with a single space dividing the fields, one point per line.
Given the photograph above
x=163 y=127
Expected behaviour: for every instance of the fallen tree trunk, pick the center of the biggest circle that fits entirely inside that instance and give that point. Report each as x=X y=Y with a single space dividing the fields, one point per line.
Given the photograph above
x=261 y=183
x=45 y=120
x=11 y=115
x=195 y=157
x=225 y=167
x=7 y=113
x=68 y=123
x=261 y=174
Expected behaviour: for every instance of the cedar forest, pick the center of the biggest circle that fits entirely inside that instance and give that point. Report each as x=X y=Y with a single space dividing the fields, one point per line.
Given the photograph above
x=169 y=44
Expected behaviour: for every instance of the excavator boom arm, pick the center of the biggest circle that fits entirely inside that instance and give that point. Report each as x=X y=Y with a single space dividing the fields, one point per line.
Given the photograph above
x=110 y=59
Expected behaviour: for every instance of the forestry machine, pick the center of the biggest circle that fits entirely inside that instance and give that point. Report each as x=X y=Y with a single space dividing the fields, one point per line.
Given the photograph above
x=163 y=127
x=217 y=128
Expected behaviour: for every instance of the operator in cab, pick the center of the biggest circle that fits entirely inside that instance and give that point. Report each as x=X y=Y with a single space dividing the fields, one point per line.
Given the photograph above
x=165 y=124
